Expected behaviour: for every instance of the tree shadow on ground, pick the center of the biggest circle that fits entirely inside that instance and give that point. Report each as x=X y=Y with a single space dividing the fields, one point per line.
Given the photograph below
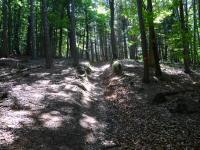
x=55 y=111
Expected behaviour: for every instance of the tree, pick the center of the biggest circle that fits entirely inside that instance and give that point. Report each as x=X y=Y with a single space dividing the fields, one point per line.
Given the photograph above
x=32 y=29
x=143 y=41
x=152 y=39
x=48 y=52
x=184 y=30
x=72 y=32
x=4 y=49
x=112 y=19
x=195 y=33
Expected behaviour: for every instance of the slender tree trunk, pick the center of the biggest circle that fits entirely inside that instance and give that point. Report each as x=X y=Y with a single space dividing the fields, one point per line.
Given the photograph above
x=48 y=50
x=10 y=21
x=113 y=39
x=106 y=45
x=83 y=48
x=133 y=48
x=153 y=41
x=195 y=33
x=32 y=29
x=4 y=49
x=95 y=49
x=72 y=32
x=68 y=48
x=143 y=40
x=184 y=30
x=17 y=25
x=87 y=35
x=60 y=42
x=92 y=50
x=124 y=24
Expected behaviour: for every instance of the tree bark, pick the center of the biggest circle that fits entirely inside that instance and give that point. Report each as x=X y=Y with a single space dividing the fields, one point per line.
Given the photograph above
x=87 y=35
x=195 y=33
x=17 y=25
x=143 y=40
x=4 y=49
x=113 y=39
x=72 y=32
x=32 y=29
x=153 y=47
x=184 y=30
x=48 y=52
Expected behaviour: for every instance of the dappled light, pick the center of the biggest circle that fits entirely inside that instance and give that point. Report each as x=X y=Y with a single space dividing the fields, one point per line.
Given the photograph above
x=99 y=74
x=54 y=102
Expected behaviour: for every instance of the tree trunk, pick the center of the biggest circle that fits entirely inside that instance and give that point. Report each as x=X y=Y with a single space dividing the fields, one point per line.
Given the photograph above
x=4 y=49
x=48 y=50
x=17 y=24
x=32 y=29
x=87 y=35
x=184 y=31
x=72 y=32
x=10 y=22
x=60 y=42
x=113 y=39
x=143 y=40
x=153 y=40
x=195 y=33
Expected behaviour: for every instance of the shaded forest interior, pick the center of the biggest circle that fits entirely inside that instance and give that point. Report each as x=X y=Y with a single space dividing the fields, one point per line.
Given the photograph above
x=99 y=74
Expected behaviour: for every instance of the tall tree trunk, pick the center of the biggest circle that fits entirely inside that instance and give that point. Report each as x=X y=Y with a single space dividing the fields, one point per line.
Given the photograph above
x=10 y=21
x=48 y=50
x=133 y=48
x=106 y=45
x=87 y=34
x=124 y=26
x=60 y=42
x=91 y=49
x=4 y=49
x=83 y=47
x=72 y=32
x=143 y=40
x=32 y=29
x=195 y=33
x=17 y=25
x=184 y=30
x=153 y=40
x=113 y=39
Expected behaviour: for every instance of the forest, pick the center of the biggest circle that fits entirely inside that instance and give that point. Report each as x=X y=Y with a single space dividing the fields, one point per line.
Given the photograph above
x=99 y=74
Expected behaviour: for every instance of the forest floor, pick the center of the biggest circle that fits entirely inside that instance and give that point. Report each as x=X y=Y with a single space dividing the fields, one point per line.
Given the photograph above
x=91 y=108
x=161 y=115
x=62 y=108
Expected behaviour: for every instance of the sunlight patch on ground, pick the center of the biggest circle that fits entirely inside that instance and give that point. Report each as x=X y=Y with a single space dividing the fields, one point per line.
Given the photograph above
x=172 y=70
x=90 y=124
x=16 y=119
x=40 y=75
x=52 y=120
x=42 y=82
x=6 y=137
x=104 y=67
x=130 y=74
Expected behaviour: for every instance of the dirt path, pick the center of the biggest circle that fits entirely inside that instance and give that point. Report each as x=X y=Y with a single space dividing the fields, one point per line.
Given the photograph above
x=52 y=110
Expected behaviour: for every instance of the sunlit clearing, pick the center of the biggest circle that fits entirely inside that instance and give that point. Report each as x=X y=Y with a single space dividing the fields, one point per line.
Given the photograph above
x=52 y=120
